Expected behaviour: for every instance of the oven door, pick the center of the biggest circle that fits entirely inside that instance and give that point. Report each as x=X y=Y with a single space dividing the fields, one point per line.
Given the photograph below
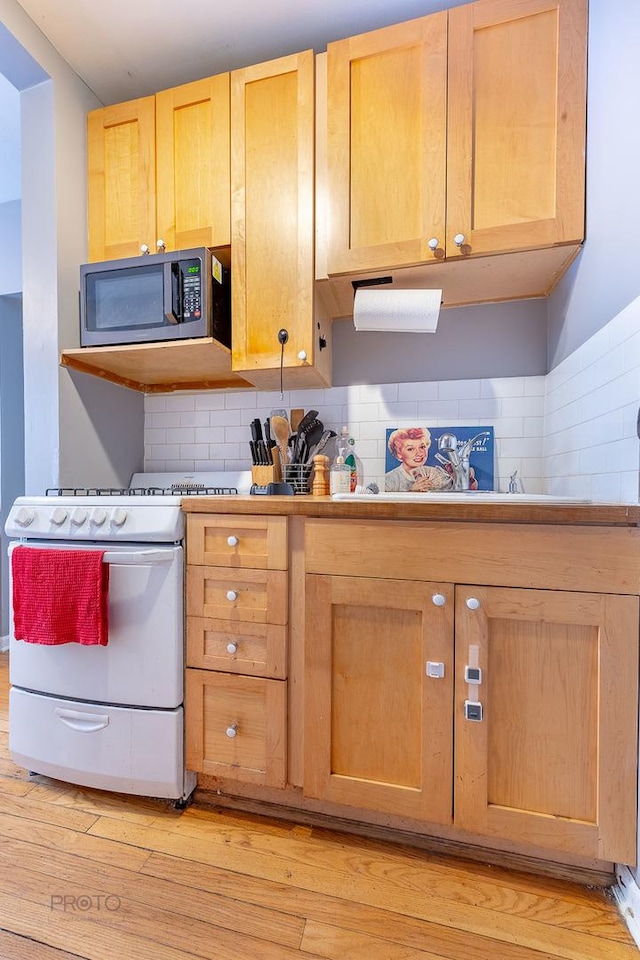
x=142 y=664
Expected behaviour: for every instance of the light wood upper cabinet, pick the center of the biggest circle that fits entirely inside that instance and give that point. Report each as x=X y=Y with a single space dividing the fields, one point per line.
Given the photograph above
x=516 y=134
x=159 y=170
x=386 y=144
x=272 y=243
x=121 y=158
x=548 y=762
x=464 y=128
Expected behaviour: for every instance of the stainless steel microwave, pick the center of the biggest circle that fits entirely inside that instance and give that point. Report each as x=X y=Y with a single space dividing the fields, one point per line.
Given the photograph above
x=156 y=297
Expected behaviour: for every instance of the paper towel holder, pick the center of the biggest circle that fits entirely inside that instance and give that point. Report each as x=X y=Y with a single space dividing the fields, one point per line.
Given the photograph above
x=403 y=310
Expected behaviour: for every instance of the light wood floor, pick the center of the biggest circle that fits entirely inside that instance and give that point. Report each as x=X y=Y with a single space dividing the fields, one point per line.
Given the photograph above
x=85 y=874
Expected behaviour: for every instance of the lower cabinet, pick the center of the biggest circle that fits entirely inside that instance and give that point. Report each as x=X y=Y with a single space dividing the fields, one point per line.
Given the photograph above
x=500 y=711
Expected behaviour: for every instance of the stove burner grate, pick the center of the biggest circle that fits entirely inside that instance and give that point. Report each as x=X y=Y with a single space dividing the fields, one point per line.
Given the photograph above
x=175 y=490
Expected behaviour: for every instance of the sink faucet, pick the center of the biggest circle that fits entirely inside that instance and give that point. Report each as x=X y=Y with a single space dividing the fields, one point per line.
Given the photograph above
x=458 y=456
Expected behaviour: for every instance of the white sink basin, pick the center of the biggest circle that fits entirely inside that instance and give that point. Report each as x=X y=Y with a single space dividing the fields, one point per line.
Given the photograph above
x=470 y=496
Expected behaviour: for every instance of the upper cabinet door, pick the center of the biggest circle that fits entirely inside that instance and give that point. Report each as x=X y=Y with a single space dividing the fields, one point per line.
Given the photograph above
x=517 y=117
x=193 y=164
x=386 y=145
x=272 y=163
x=122 y=179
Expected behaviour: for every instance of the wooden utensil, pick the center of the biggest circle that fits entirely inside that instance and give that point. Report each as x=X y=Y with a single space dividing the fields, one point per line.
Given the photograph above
x=280 y=429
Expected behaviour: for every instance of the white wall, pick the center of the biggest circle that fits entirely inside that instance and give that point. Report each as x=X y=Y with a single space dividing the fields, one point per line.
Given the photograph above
x=11 y=247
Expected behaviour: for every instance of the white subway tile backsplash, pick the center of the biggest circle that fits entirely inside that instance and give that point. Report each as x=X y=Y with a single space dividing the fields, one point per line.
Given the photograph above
x=570 y=433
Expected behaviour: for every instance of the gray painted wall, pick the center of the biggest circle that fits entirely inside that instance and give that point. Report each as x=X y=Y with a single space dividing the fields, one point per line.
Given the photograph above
x=11 y=431
x=60 y=438
x=11 y=246
x=491 y=340
x=606 y=275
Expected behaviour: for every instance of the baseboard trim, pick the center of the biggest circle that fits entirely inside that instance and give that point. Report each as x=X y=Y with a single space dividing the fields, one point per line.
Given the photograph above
x=627 y=894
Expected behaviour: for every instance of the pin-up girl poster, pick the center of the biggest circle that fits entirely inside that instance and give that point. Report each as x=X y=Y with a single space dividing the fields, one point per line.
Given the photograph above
x=413 y=464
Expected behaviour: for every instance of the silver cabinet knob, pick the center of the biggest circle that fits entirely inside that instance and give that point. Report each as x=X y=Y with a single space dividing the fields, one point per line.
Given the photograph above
x=438 y=599
x=232 y=541
x=232 y=595
x=25 y=516
x=160 y=245
x=232 y=730
x=144 y=248
x=232 y=647
x=302 y=356
x=58 y=517
x=434 y=243
x=472 y=603
x=459 y=239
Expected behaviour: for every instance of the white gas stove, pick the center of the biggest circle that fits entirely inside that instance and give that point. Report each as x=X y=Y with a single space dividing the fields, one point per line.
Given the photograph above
x=112 y=716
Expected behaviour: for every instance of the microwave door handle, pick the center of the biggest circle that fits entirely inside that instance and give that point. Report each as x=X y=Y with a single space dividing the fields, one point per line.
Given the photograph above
x=172 y=292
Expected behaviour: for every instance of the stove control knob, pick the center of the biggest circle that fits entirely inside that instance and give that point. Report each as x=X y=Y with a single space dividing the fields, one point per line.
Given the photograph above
x=78 y=517
x=25 y=516
x=119 y=516
x=58 y=516
x=98 y=516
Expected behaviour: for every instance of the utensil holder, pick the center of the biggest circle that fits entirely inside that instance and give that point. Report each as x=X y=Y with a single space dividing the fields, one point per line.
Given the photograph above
x=299 y=476
x=262 y=475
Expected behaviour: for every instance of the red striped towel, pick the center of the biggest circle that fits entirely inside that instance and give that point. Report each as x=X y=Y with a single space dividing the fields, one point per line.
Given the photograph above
x=60 y=596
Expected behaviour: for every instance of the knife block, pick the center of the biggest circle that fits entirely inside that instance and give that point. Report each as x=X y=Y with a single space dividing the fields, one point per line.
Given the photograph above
x=262 y=475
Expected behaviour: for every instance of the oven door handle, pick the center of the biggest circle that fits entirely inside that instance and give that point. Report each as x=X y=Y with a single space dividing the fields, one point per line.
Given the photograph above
x=82 y=722
x=138 y=557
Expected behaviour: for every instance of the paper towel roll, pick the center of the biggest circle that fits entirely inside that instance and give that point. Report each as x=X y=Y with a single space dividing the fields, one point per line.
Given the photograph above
x=396 y=311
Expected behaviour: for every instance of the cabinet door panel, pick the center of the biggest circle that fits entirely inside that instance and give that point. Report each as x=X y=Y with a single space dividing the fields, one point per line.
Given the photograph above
x=515 y=161
x=193 y=164
x=122 y=179
x=377 y=728
x=552 y=759
x=386 y=142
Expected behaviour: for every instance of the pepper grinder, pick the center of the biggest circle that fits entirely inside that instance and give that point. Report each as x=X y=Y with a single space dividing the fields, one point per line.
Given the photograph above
x=320 y=486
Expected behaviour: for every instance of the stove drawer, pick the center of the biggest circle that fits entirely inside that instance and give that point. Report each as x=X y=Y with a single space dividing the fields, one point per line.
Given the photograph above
x=237 y=541
x=257 y=649
x=255 y=596
x=103 y=746
x=236 y=727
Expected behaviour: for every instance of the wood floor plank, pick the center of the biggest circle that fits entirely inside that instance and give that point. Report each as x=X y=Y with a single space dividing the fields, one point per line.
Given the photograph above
x=38 y=811
x=273 y=859
x=463 y=884
x=15 y=947
x=336 y=943
x=101 y=803
x=220 y=908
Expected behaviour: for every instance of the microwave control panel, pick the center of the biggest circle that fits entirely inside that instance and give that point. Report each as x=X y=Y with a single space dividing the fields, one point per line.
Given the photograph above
x=191 y=277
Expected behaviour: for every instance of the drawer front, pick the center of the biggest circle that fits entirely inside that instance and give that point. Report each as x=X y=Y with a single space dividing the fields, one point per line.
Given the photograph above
x=254 y=596
x=256 y=649
x=236 y=727
x=236 y=541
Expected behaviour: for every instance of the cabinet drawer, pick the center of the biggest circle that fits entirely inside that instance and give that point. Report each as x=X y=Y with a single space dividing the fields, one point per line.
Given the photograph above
x=256 y=596
x=236 y=727
x=257 y=649
x=237 y=541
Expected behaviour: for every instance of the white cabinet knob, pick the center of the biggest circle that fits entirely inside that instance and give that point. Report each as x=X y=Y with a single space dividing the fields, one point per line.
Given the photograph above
x=473 y=603
x=58 y=516
x=232 y=595
x=438 y=599
x=119 y=516
x=232 y=541
x=232 y=647
x=144 y=248
x=302 y=356
x=232 y=730
x=459 y=239
x=25 y=516
x=78 y=517
x=434 y=243
x=160 y=244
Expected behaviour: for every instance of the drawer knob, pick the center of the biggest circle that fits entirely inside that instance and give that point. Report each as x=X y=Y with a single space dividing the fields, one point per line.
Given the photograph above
x=459 y=239
x=232 y=730
x=232 y=595
x=439 y=599
x=232 y=541
x=473 y=603
x=434 y=243
x=232 y=647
